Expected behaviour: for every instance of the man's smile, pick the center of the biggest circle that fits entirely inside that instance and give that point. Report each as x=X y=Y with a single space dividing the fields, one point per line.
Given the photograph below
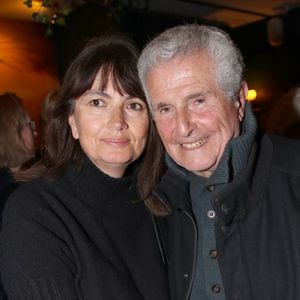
x=194 y=145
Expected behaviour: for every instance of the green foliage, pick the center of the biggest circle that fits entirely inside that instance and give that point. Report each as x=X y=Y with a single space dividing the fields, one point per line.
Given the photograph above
x=50 y=14
x=46 y=3
x=28 y=3
x=40 y=18
x=56 y=17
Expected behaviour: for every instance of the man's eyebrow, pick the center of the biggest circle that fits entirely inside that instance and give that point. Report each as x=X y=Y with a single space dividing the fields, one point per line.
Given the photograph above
x=186 y=98
x=197 y=95
x=159 y=105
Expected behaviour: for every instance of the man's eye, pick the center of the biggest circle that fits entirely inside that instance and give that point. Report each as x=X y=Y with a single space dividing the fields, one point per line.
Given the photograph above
x=198 y=101
x=164 y=110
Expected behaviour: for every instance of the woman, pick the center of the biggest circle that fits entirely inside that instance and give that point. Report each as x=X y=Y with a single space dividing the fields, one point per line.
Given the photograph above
x=80 y=231
x=17 y=146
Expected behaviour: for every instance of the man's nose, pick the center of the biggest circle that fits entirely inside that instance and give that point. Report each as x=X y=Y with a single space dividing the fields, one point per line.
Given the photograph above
x=184 y=123
x=117 y=120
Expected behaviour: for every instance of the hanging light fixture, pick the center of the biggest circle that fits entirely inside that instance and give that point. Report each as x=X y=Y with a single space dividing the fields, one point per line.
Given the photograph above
x=275 y=30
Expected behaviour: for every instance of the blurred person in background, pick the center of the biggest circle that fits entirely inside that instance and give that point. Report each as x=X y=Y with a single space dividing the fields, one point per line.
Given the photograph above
x=80 y=230
x=17 y=147
x=284 y=115
x=47 y=113
x=17 y=142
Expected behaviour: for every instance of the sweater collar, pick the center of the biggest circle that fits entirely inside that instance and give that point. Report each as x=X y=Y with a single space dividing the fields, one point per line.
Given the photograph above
x=239 y=148
x=91 y=185
x=235 y=200
x=237 y=151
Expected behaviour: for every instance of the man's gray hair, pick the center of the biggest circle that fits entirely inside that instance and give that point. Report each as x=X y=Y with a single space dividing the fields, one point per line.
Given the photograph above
x=191 y=39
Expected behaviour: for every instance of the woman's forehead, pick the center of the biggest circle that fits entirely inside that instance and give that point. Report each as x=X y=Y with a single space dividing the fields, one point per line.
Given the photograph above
x=106 y=79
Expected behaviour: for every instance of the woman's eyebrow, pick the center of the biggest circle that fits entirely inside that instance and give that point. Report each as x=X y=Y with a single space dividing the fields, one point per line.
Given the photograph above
x=105 y=94
x=98 y=93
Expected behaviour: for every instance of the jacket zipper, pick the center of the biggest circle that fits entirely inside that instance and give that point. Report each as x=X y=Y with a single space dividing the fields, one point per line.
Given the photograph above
x=195 y=244
x=194 y=254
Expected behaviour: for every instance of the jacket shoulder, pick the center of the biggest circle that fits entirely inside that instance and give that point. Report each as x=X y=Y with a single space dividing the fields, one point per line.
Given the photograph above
x=285 y=153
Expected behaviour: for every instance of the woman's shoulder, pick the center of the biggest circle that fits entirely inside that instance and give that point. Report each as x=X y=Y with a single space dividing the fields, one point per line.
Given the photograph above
x=33 y=195
x=37 y=206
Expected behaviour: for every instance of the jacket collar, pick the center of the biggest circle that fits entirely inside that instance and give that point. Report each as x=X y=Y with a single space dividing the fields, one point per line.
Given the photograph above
x=173 y=190
x=233 y=202
x=240 y=194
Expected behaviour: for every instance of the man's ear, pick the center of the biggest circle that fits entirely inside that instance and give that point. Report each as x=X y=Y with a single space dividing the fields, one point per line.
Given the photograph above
x=72 y=123
x=241 y=101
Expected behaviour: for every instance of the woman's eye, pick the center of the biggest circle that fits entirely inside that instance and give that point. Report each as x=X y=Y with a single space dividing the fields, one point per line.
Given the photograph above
x=135 y=106
x=96 y=102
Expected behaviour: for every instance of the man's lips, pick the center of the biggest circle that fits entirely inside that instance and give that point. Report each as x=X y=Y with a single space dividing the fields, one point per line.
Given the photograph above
x=194 y=145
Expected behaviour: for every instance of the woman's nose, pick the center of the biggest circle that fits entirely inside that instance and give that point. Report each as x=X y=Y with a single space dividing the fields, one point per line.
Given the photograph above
x=117 y=120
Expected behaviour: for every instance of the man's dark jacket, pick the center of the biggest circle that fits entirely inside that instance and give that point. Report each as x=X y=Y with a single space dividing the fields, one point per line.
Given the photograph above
x=257 y=227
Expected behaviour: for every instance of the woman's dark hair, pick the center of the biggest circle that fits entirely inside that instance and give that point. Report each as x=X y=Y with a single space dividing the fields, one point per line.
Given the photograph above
x=115 y=56
x=151 y=170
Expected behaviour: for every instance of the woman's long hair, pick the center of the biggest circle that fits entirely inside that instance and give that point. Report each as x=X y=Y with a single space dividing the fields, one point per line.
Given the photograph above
x=114 y=56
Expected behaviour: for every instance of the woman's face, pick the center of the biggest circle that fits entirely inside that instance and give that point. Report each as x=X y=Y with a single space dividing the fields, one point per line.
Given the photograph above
x=112 y=129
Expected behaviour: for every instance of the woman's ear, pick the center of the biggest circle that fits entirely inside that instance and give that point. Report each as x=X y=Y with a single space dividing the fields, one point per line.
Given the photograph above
x=72 y=123
x=241 y=101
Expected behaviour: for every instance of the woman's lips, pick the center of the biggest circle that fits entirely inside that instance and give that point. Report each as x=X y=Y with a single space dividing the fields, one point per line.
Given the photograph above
x=116 y=142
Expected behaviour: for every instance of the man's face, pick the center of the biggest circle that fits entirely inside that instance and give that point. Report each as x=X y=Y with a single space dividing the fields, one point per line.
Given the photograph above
x=193 y=115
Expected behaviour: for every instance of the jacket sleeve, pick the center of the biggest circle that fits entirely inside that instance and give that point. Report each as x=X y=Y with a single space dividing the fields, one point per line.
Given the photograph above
x=35 y=262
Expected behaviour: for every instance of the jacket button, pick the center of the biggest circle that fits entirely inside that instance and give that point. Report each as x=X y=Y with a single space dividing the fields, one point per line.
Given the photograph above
x=211 y=214
x=185 y=275
x=216 y=288
x=213 y=253
x=210 y=188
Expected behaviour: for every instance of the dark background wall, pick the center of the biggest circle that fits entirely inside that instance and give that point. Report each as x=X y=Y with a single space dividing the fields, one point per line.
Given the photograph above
x=271 y=71
x=27 y=62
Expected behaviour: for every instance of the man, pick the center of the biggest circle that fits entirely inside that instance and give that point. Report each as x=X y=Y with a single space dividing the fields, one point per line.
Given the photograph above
x=233 y=231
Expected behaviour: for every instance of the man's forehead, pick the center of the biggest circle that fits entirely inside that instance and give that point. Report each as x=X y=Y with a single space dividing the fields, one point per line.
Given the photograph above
x=177 y=68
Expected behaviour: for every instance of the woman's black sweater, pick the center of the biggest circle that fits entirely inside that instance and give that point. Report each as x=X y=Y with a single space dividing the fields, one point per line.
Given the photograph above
x=80 y=237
